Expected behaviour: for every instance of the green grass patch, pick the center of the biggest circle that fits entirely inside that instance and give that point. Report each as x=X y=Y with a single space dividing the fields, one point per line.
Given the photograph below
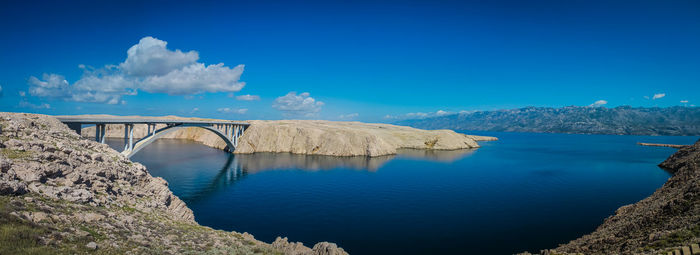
x=129 y=209
x=93 y=233
x=677 y=238
x=18 y=236
x=15 y=154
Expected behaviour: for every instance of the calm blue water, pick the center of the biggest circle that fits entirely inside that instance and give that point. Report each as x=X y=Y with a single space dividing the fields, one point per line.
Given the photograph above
x=524 y=192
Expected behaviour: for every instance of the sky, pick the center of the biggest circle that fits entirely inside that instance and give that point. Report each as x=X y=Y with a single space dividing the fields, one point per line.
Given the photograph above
x=375 y=61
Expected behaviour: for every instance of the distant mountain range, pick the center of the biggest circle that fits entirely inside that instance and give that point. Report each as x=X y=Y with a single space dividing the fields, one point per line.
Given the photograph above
x=622 y=120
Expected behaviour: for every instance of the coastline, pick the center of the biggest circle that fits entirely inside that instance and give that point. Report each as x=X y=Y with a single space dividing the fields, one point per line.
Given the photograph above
x=677 y=146
x=665 y=221
x=316 y=137
x=47 y=166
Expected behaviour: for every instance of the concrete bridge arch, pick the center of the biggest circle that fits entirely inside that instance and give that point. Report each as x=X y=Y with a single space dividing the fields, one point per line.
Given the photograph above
x=231 y=140
x=228 y=131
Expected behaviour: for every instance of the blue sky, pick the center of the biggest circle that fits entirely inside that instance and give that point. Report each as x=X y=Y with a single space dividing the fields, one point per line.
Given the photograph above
x=369 y=61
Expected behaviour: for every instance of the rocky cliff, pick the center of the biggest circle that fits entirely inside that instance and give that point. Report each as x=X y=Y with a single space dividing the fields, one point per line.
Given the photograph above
x=63 y=194
x=668 y=218
x=316 y=137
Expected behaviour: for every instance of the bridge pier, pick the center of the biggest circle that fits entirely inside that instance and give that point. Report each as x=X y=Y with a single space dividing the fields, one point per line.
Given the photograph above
x=151 y=129
x=128 y=137
x=77 y=127
x=100 y=130
x=235 y=135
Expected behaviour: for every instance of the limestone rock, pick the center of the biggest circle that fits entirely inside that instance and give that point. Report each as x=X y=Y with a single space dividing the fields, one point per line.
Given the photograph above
x=91 y=246
x=315 y=137
x=9 y=187
x=297 y=248
x=326 y=248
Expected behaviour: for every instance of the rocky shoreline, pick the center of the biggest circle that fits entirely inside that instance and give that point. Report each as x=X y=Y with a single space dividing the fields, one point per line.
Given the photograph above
x=666 y=221
x=63 y=194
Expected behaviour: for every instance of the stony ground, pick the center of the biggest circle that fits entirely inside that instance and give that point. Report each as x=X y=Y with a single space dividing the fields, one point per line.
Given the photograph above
x=61 y=193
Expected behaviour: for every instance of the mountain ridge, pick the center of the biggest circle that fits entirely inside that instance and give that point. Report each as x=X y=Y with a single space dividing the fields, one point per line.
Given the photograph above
x=621 y=120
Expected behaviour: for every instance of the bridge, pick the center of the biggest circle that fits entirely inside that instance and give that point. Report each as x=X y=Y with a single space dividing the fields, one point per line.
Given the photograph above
x=229 y=131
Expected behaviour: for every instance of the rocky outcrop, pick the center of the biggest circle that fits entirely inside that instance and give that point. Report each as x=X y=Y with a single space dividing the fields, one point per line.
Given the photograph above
x=316 y=137
x=43 y=155
x=667 y=219
x=63 y=194
x=296 y=248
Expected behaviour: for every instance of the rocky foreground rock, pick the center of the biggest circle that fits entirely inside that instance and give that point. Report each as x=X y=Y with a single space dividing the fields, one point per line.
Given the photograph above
x=317 y=137
x=667 y=220
x=63 y=194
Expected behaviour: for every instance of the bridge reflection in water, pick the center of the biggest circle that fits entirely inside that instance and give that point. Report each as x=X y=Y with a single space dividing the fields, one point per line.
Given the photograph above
x=238 y=166
x=196 y=171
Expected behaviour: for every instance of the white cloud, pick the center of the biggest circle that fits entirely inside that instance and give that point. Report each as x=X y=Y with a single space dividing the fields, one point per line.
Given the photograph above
x=196 y=79
x=416 y=114
x=293 y=105
x=599 y=103
x=646 y=97
x=657 y=96
x=194 y=110
x=151 y=57
x=230 y=110
x=22 y=93
x=684 y=101
x=149 y=67
x=421 y=115
x=0 y=88
x=248 y=97
x=23 y=103
x=348 y=116
x=93 y=87
x=52 y=85
x=442 y=113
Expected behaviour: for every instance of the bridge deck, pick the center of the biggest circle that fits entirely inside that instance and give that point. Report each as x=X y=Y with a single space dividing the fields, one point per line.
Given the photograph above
x=131 y=120
x=229 y=131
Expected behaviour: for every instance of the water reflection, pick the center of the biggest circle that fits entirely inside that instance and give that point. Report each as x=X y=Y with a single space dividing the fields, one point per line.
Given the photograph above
x=443 y=156
x=257 y=162
x=238 y=166
x=194 y=172
x=227 y=176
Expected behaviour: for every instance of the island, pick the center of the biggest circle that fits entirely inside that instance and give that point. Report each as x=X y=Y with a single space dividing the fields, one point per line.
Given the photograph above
x=316 y=137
